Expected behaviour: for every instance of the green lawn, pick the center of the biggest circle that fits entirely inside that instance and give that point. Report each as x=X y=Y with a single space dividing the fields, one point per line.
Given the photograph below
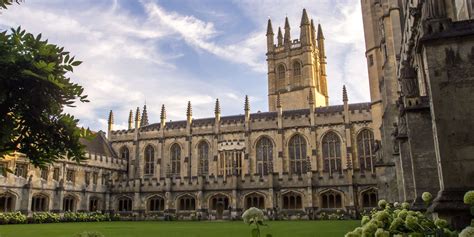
x=181 y=229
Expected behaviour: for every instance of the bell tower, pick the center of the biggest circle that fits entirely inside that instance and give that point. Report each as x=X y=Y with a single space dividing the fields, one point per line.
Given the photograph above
x=296 y=67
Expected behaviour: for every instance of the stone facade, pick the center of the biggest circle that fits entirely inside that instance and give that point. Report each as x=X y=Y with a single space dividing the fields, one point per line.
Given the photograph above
x=301 y=158
x=431 y=133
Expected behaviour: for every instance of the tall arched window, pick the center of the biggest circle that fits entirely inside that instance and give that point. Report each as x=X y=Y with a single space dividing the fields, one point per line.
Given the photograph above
x=296 y=68
x=219 y=200
x=156 y=203
x=365 y=150
x=264 y=156
x=7 y=202
x=369 y=198
x=39 y=203
x=292 y=201
x=124 y=204
x=297 y=152
x=203 y=156
x=124 y=153
x=255 y=200
x=149 y=160
x=332 y=153
x=69 y=203
x=187 y=203
x=281 y=71
x=175 y=159
x=331 y=199
x=94 y=204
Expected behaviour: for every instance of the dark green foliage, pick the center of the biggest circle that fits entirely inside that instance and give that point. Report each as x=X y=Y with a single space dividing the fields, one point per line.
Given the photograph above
x=5 y=3
x=34 y=88
x=89 y=234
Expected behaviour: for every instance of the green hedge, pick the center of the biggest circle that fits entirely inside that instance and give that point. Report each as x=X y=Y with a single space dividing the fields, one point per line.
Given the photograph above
x=48 y=217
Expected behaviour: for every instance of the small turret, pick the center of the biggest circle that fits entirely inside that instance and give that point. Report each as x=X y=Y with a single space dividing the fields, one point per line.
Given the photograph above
x=344 y=94
x=322 y=59
x=110 y=123
x=280 y=37
x=270 y=35
x=279 y=111
x=189 y=113
x=247 y=111
x=130 y=120
x=287 y=40
x=144 y=120
x=217 y=110
x=137 y=118
x=305 y=30
x=312 y=107
x=313 y=33
x=162 y=117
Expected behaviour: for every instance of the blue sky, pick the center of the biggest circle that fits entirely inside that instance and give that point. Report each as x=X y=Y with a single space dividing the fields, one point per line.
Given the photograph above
x=169 y=52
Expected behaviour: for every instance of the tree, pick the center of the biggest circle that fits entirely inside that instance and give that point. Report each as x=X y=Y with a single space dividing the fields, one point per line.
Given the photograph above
x=34 y=89
x=5 y=3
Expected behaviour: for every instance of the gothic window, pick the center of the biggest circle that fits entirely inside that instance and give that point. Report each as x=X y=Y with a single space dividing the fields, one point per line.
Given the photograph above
x=187 y=203
x=70 y=176
x=149 y=160
x=95 y=177
x=7 y=202
x=124 y=204
x=332 y=153
x=39 y=203
x=21 y=170
x=296 y=68
x=219 y=200
x=203 y=156
x=175 y=159
x=56 y=174
x=3 y=169
x=69 y=204
x=44 y=173
x=292 y=201
x=369 y=198
x=297 y=153
x=264 y=156
x=230 y=163
x=87 y=177
x=255 y=200
x=331 y=199
x=156 y=203
x=124 y=153
x=365 y=150
x=93 y=204
x=281 y=71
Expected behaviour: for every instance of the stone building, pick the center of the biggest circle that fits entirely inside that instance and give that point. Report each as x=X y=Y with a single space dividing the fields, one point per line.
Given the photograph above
x=420 y=60
x=300 y=158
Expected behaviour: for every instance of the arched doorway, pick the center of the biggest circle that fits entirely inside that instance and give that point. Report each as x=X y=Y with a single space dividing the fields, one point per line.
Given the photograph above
x=219 y=203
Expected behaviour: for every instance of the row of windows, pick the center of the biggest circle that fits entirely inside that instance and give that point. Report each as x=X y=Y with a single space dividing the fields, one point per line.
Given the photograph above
x=281 y=70
x=230 y=162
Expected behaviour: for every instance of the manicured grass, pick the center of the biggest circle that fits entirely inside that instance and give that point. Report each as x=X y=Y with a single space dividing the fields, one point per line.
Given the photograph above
x=182 y=229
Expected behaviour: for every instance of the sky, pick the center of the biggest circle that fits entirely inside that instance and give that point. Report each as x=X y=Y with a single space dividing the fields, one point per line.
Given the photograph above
x=174 y=51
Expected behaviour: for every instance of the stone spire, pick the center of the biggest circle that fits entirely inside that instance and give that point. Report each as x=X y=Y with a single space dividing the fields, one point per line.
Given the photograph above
x=313 y=33
x=144 y=120
x=305 y=30
x=130 y=120
x=189 y=112
x=246 y=104
x=110 y=123
x=320 y=32
x=163 y=116
x=280 y=37
x=287 y=32
x=269 y=35
x=344 y=94
x=311 y=97
x=137 y=118
x=217 y=108
x=304 y=18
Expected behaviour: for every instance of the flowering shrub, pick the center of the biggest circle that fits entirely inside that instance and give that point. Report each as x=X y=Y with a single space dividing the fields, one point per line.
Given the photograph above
x=48 y=217
x=45 y=217
x=254 y=216
x=12 y=218
x=469 y=198
x=426 y=197
x=467 y=232
x=388 y=221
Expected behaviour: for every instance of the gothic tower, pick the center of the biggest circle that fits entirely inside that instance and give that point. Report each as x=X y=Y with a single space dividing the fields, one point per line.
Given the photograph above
x=296 y=67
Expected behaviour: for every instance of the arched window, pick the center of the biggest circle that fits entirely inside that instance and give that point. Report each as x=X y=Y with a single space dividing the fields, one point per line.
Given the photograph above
x=7 y=202
x=292 y=201
x=149 y=160
x=69 y=203
x=156 y=203
x=94 y=204
x=39 y=203
x=332 y=153
x=297 y=152
x=281 y=71
x=124 y=153
x=331 y=199
x=264 y=156
x=175 y=159
x=255 y=200
x=187 y=203
x=203 y=156
x=218 y=200
x=369 y=198
x=365 y=149
x=124 y=204
x=296 y=68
